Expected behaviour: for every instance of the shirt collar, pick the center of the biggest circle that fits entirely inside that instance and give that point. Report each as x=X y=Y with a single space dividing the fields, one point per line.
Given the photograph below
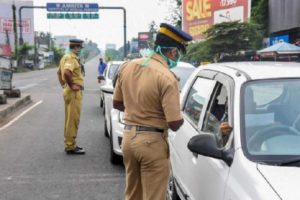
x=160 y=59
x=73 y=55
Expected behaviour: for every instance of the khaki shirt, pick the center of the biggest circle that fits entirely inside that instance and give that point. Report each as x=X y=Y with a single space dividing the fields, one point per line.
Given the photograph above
x=150 y=93
x=71 y=62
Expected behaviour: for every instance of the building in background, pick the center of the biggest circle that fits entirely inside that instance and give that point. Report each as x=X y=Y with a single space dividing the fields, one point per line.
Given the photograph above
x=62 y=41
x=6 y=22
x=110 y=46
x=284 y=21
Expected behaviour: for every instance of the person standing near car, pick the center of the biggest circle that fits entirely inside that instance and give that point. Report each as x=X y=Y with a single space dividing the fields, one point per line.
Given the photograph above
x=148 y=93
x=101 y=68
x=71 y=79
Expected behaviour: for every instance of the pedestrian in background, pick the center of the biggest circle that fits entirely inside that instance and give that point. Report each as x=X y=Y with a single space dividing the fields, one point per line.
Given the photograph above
x=101 y=69
x=71 y=79
x=148 y=93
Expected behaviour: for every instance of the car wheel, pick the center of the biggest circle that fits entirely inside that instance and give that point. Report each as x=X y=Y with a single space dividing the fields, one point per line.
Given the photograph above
x=114 y=158
x=103 y=111
x=106 y=134
x=101 y=103
x=171 y=190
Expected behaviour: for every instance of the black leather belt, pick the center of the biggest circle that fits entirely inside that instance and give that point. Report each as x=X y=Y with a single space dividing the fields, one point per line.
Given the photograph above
x=144 y=128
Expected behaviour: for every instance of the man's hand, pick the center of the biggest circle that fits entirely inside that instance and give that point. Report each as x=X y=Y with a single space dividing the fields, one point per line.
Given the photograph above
x=225 y=129
x=75 y=87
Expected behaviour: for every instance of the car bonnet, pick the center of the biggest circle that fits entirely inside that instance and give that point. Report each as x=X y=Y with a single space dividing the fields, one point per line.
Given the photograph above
x=283 y=180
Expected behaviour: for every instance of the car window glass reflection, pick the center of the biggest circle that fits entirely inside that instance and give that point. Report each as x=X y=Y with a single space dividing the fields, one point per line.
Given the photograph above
x=272 y=117
x=198 y=96
x=112 y=71
x=217 y=114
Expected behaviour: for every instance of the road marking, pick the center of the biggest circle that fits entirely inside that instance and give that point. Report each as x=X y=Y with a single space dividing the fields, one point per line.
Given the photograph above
x=27 y=86
x=18 y=117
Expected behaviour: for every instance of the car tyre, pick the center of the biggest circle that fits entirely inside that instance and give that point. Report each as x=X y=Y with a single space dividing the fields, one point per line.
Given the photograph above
x=103 y=111
x=114 y=158
x=101 y=103
x=171 y=190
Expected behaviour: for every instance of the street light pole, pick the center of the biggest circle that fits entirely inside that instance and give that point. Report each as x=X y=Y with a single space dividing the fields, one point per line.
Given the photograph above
x=124 y=24
x=21 y=40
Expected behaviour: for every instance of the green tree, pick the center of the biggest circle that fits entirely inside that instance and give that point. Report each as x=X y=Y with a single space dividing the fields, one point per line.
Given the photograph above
x=23 y=52
x=57 y=53
x=224 y=39
x=198 y=52
x=153 y=28
x=112 y=54
x=175 y=7
x=229 y=38
x=260 y=16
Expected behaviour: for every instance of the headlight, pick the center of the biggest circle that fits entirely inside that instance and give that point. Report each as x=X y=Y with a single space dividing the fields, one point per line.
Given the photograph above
x=121 y=117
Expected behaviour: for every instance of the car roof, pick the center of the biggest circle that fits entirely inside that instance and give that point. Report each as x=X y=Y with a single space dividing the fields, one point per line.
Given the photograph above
x=116 y=62
x=185 y=65
x=259 y=70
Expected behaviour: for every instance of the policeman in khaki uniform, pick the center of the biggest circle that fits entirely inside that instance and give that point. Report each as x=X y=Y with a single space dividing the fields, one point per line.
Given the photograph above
x=148 y=93
x=71 y=79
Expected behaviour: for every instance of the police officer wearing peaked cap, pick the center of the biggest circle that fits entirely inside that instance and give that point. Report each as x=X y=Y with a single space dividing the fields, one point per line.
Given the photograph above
x=148 y=93
x=71 y=78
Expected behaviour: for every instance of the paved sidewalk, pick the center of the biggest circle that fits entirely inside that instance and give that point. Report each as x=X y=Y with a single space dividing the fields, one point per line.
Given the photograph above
x=13 y=105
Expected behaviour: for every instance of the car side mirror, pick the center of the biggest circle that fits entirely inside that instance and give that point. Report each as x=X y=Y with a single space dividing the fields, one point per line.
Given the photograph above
x=206 y=145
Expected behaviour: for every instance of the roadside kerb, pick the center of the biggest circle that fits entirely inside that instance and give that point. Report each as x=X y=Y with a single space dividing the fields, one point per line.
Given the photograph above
x=13 y=105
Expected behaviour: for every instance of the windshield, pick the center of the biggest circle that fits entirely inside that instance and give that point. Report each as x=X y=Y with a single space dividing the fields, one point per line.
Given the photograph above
x=183 y=73
x=271 y=118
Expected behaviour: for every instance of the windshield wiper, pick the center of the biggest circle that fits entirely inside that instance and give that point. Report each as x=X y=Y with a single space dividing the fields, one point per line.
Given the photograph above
x=289 y=161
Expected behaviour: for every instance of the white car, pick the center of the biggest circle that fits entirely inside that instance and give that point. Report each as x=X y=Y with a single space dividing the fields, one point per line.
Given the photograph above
x=260 y=157
x=109 y=72
x=115 y=123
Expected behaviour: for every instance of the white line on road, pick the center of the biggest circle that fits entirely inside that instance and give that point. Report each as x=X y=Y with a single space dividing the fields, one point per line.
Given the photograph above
x=27 y=86
x=18 y=117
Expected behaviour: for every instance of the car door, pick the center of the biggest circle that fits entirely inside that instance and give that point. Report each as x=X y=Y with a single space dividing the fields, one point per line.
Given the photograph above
x=208 y=176
x=196 y=101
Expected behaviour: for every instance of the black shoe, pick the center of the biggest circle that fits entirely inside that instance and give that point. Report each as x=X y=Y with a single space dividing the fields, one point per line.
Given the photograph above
x=79 y=148
x=76 y=151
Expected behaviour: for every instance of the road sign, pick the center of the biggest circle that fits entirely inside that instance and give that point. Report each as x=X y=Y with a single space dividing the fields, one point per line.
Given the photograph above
x=72 y=16
x=72 y=7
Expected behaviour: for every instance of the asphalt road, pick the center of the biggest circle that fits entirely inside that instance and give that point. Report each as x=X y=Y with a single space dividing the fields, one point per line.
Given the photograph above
x=33 y=164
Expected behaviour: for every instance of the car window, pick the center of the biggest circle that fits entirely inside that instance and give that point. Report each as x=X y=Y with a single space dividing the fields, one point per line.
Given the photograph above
x=112 y=70
x=183 y=73
x=274 y=91
x=217 y=114
x=272 y=128
x=198 y=95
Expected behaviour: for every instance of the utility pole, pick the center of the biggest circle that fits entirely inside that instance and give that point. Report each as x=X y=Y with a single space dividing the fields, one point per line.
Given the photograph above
x=15 y=32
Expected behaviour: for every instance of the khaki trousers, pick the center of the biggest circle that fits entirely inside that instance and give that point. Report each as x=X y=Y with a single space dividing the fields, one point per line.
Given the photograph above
x=73 y=102
x=147 y=165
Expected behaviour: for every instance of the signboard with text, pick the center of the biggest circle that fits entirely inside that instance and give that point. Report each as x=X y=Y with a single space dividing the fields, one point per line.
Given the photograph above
x=143 y=38
x=72 y=7
x=6 y=24
x=199 y=15
x=279 y=38
x=72 y=16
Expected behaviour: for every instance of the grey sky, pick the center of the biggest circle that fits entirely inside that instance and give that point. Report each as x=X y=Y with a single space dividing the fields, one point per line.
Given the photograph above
x=109 y=28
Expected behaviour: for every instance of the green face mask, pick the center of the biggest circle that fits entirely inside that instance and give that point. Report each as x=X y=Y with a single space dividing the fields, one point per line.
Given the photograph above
x=171 y=63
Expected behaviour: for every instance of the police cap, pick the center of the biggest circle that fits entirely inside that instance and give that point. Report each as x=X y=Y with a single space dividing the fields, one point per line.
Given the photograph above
x=175 y=33
x=76 y=42
x=170 y=36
